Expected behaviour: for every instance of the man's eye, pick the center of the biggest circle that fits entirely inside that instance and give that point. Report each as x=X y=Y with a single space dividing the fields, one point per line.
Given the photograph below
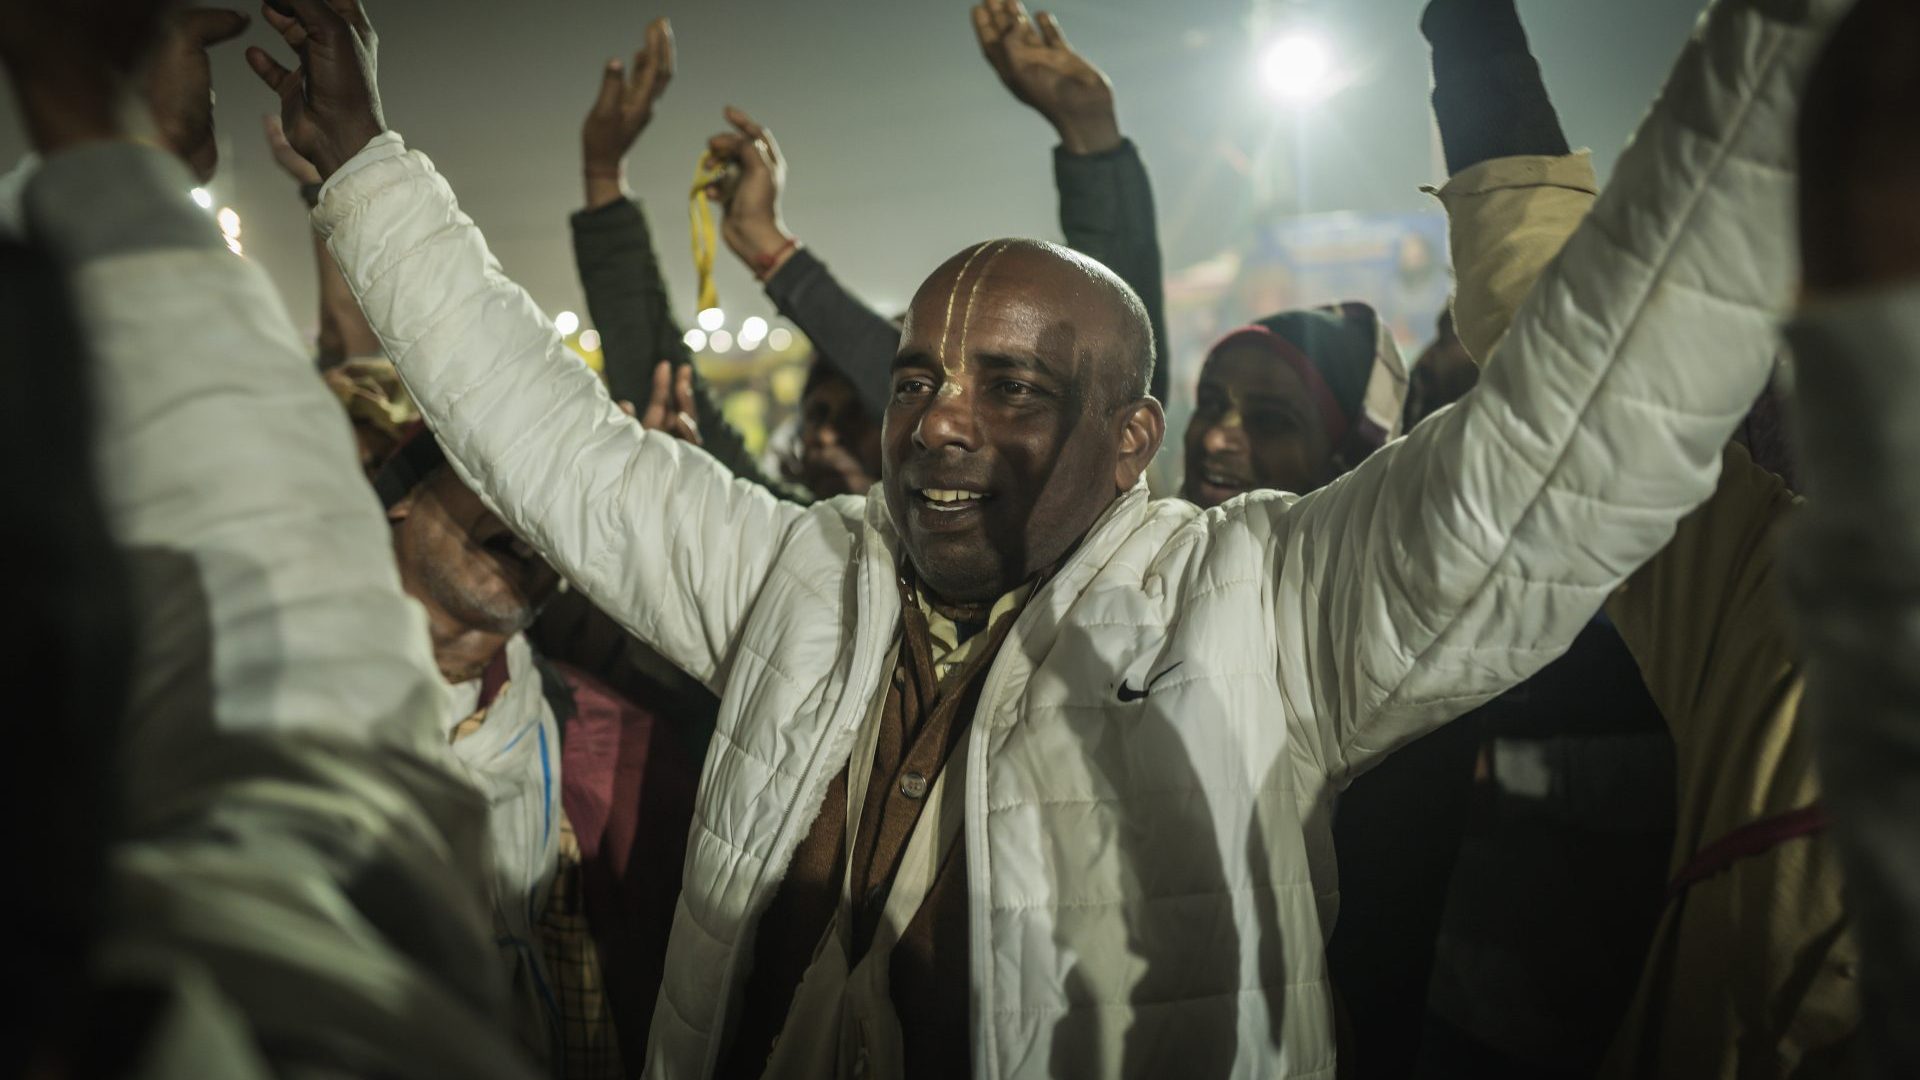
x=1016 y=389
x=912 y=386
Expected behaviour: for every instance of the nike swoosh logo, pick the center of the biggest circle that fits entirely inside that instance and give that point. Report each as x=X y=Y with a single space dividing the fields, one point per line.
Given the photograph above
x=1128 y=695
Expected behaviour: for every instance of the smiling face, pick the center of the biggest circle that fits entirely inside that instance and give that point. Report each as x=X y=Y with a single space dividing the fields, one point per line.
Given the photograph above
x=457 y=556
x=1255 y=425
x=839 y=444
x=1016 y=415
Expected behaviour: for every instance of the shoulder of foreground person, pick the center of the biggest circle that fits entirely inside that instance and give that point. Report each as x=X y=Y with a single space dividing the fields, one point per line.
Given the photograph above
x=195 y=356
x=659 y=534
x=279 y=762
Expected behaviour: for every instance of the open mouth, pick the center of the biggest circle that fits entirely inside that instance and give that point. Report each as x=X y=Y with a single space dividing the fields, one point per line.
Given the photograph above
x=950 y=500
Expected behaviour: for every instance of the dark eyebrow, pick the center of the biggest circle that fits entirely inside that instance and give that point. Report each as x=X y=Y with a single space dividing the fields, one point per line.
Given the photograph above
x=913 y=358
x=1032 y=362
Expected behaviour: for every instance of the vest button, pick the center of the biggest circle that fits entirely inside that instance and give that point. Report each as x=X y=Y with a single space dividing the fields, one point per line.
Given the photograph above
x=914 y=785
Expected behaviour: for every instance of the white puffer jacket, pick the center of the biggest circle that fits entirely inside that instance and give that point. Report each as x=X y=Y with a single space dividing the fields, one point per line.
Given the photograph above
x=1150 y=881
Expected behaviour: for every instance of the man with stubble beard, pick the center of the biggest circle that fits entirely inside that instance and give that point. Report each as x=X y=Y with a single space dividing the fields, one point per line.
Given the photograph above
x=1019 y=772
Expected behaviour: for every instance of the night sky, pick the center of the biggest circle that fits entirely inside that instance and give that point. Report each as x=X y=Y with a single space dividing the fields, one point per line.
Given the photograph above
x=903 y=145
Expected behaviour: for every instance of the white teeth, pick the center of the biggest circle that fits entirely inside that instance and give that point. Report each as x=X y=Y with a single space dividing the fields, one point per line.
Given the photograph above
x=947 y=495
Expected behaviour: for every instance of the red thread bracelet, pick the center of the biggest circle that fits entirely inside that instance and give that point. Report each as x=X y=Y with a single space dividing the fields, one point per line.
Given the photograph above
x=763 y=264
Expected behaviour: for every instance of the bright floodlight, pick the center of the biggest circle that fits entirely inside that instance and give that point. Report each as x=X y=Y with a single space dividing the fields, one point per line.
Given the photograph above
x=203 y=197
x=229 y=222
x=696 y=339
x=753 y=329
x=712 y=319
x=590 y=340
x=721 y=341
x=780 y=340
x=1297 y=68
x=566 y=322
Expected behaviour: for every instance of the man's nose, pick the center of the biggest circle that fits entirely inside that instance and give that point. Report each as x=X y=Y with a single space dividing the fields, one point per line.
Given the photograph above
x=948 y=420
x=1225 y=435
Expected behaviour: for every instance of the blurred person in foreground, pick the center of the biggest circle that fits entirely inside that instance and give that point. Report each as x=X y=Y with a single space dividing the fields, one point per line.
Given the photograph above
x=247 y=858
x=1853 y=559
x=1020 y=716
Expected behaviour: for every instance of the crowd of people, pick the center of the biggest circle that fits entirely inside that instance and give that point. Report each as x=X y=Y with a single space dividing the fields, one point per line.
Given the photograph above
x=427 y=703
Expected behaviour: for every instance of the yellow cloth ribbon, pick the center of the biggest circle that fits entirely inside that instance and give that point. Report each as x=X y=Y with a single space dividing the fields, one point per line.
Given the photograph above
x=705 y=237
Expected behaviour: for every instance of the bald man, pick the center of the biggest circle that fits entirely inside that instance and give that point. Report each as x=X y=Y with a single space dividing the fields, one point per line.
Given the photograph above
x=1018 y=772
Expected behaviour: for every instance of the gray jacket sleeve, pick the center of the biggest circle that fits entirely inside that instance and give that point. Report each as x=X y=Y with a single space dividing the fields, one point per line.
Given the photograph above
x=858 y=341
x=1106 y=212
x=627 y=297
x=1854 y=574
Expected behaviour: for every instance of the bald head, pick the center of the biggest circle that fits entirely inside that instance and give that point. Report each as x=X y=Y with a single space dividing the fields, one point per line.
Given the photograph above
x=1016 y=416
x=1108 y=319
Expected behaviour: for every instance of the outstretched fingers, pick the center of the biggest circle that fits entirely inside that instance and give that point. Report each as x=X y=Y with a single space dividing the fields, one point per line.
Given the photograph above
x=277 y=77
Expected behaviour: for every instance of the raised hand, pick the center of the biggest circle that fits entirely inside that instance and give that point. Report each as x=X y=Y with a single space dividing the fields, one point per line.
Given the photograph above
x=179 y=84
x=753 y=228
x=670 y=406
x=74 y=62
x=1033 y=59
x=330 y=105
x=285 y=156
x=622 y=111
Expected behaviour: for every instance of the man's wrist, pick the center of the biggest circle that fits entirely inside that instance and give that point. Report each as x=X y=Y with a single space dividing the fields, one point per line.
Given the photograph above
x=1089 y=135
x=356 y=140
x=761 y=244
x=604 y=185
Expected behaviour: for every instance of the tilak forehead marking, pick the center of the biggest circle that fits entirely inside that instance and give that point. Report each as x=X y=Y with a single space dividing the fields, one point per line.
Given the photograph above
x=951 y=366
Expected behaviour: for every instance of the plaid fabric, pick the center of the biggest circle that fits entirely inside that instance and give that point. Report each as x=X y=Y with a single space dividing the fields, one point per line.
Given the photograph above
x=943 y=635
x=590 y=1048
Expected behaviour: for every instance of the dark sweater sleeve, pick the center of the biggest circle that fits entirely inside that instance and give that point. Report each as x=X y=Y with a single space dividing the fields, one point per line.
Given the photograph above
x=627 y=297
x=1106 y=212
x=1488 y=96
x=857 y=341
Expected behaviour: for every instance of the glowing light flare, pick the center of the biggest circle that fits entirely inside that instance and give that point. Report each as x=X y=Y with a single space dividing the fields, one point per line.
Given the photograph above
x=753 y=332
x=590 y=340
x=695 y=338
x=1297 y=68
x=229 y=220
x=566 y=322
x=780 y=339
x=720 y=341
x=202 y=198
x=712 y=319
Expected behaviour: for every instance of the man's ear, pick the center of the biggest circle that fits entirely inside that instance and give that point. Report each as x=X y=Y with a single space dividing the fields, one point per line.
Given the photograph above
x=399 y=511
x=1143 y=425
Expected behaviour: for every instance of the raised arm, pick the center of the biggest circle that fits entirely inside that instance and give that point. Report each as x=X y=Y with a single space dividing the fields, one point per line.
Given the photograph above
x=1106 y=200
x=1516 y=193
x=1854 y=560
x=657 y=533
x=1460 y=559
x=613 y=250
x=1509 y=217
x=858 y=341
x=344 y=333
